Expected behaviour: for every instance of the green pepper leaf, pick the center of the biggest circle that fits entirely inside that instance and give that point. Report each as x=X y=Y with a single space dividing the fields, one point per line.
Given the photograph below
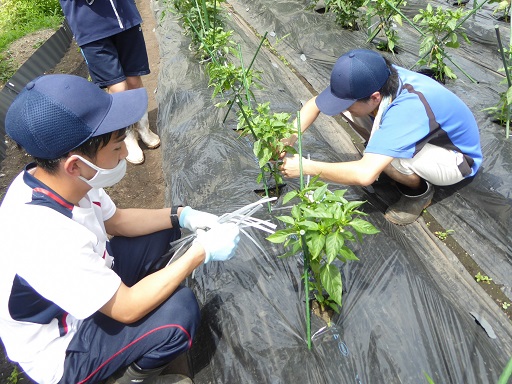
x=330 y=277
x=363 y=226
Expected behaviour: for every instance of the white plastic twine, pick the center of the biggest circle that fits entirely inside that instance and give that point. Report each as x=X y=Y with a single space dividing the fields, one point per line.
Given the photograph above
x=242 y=218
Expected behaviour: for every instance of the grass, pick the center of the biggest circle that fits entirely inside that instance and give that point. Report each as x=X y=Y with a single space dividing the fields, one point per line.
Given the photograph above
x=13 y=33
x=19 y=18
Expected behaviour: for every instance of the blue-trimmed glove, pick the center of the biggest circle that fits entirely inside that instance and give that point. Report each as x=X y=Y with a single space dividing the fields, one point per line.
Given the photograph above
x=193 y=219
x=220 y=242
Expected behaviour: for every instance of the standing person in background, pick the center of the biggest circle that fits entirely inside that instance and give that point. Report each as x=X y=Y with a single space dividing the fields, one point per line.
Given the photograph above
x=419 y=133
x=110 y=37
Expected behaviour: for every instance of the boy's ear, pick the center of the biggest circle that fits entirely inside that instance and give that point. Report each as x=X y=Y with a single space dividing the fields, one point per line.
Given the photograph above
x=376 y=96
x=72 y=165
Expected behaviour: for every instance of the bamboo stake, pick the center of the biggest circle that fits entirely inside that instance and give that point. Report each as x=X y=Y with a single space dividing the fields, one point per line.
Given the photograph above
x=509 y=81
x=305 y=250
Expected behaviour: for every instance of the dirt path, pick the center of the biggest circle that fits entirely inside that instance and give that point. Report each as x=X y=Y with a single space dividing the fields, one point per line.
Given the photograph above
x=143 y=186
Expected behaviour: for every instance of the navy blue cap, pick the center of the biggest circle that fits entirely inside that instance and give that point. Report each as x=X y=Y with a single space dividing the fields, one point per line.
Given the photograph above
x=355 y=75
x=55 y=114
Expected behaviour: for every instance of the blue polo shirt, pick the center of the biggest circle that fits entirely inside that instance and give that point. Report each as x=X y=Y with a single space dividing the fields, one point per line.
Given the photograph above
x=406 y=125
x=92 y=20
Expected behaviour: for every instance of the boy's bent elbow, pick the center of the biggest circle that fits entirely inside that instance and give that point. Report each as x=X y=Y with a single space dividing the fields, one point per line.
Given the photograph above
x=124 y=317
x=366 y=178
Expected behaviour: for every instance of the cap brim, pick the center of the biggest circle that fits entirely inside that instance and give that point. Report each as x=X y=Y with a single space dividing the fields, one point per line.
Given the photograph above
x=126 y=109
x=331 y=105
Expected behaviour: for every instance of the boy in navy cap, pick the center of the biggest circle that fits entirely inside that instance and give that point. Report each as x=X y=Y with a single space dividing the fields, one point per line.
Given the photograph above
x=418 y=133
x=76 y=304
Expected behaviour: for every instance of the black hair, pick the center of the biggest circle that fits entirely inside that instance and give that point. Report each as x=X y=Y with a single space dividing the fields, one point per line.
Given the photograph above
x=390 y=87
x=89 y=148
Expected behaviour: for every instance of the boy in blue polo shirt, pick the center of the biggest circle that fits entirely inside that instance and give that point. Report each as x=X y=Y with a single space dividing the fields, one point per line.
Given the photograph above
x=419 y=133
x=110 y=37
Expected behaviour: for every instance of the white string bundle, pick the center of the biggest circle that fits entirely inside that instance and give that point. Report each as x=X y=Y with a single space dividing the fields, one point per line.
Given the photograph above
x=242 y=218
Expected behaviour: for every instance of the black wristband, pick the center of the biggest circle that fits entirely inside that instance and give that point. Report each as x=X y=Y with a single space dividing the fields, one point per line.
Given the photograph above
x=175 y=220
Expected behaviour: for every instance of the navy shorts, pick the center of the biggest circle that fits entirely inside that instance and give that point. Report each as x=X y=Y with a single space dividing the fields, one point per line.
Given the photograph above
x=103 y=345
x=112 y=59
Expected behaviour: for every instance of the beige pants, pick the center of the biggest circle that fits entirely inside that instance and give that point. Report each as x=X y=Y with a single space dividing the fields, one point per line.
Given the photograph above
x=437 y=165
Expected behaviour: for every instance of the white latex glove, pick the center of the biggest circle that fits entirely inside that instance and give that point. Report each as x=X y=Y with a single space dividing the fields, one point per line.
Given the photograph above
x=220 y=242
x=193 y=219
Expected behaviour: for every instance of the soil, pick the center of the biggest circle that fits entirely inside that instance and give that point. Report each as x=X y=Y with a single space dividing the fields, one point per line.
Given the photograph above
x=20 y=50
x=326 y=314
x=144 y=185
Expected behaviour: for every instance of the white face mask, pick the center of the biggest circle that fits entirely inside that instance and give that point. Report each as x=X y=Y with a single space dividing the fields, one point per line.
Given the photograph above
x=104 y=177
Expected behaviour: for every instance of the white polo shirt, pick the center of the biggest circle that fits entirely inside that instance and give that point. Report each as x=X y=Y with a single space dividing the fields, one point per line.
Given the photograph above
x=56 y=271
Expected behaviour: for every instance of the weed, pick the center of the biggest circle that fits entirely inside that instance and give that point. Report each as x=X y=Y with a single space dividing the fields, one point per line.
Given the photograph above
x=14 y=377
x=482 y=278
x=7 y=67
x=443 y=235
x=429 y=379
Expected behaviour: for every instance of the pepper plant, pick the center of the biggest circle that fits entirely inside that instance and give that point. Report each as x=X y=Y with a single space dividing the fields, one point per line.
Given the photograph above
x=202 y=21
x=346 y=12
x=441 y=29
x=228 y=77
x=198 y=16
x=501 y=112
x=233 y=78
x=387 y=13
x=503 y=8
x=268 y=130
x=324 y=222
x=215 y=44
